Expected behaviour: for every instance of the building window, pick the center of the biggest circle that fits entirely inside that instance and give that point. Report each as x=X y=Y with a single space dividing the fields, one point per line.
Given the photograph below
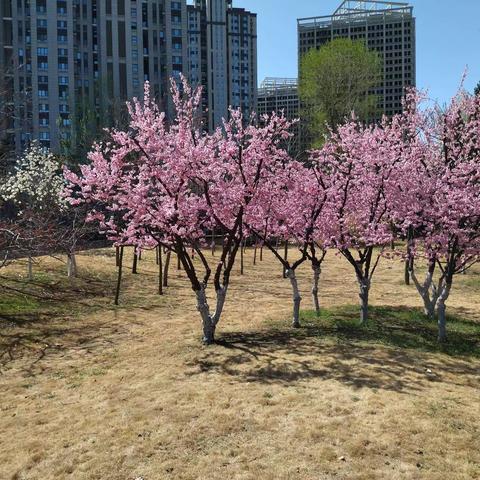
x=41 y=7
x=61 y=7
x=63 y=91
x=62 y=31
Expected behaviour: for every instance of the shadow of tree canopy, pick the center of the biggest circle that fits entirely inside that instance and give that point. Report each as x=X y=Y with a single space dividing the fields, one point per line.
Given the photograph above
x=399 y=326
x=38 y=318
x=46 y=339
x=393 y=352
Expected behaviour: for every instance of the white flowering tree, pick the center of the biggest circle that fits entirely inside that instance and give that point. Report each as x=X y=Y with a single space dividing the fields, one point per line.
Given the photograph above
x=34 y=190
x=36 y=183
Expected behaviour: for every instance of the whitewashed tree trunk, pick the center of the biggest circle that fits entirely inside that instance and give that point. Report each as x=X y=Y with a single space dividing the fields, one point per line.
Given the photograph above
x=442 y=313
x=317 y=270
x=221 y=296
x=207 y=322
x=364 y=284
x=210 y=321
x=424 y=290
x=30 y=268
x=71 y=265
x=290 y=274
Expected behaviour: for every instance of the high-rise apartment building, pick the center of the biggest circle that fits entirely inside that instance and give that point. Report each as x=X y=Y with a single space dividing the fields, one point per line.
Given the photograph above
x=222 y=57
x=387 y=27
x=140 y=41
x=38 y=65
x=280 y=95
x=62 y=59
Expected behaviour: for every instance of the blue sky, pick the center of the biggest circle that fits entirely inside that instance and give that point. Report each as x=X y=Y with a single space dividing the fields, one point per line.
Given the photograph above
x=448 y=39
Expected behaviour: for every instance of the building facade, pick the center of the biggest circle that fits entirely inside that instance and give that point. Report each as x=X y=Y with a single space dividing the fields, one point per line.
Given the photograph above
x=69 y=58
x=62 y=60
x=222 y=57
x=280 y=95
x=386 y=27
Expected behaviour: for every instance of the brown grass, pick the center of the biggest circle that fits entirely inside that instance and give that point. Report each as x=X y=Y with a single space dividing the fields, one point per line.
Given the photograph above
x=90 y=391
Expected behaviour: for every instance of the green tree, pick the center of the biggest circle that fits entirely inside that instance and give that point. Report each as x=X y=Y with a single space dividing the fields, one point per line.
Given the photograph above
x=336 y=80
x=477 y=89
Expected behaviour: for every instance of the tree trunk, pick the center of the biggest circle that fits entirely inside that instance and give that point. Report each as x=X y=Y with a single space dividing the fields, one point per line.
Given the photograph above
x=317 y=270
x=407 y=272
x=221 y=296
x=135 y=261
x=119 y=276
x=30 y=268
x=429 y=308
x=160 y=271
x=71 y=265
x=296 y=297
x=424 y=291
x=255 y=253
x=442 y=313
x=207 y=321
x=165 y=270
x=179 y=265
x=409 y=261
x=261 y=252
x=241 y=260
x=364 y=284
x=117 y=256
x=285 y=257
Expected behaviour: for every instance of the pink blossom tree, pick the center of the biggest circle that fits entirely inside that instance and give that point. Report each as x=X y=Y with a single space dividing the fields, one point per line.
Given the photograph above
x=438 y=197
x=170 y=186
x=293 y=212
x=361 y=163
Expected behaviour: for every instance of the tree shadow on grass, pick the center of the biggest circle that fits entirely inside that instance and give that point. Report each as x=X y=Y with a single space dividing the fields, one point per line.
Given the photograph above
x=35 y=344
x=391 y=353
x=46 y=317
x=400 y=326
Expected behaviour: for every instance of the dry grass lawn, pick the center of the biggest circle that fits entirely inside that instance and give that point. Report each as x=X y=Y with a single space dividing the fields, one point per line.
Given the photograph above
x=90 y=391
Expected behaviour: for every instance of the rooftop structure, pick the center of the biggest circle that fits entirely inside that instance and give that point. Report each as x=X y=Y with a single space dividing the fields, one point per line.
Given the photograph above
x=273 y=85
x=357 y=11
x=281 y=95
